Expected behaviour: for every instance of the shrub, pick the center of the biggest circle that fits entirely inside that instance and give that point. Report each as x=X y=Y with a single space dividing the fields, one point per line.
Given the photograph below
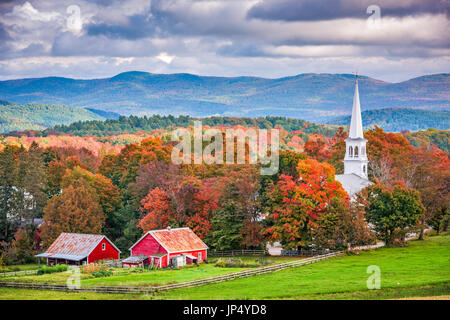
x=102 y=273
x=91 y=268
x=234 y=263
x=52 y=269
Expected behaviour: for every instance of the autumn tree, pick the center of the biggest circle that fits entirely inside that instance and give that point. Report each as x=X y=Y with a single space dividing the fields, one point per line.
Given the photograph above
x=108 y=196
x=298 y=203
x=288 y=161
x=439 y=219
x=318 y=147
x=56 y=168
x=8 y=191
x=342 y=225
x=389 y=155
x=76 y=209
x=187 y=202
x=22 y=181
x=158 y=211
x=429 y=173
x=122 y=168
x=22 y=247
x=235 y=224
x=338 y=146
x=331 y=150
x=31 y=183
x=392 y=210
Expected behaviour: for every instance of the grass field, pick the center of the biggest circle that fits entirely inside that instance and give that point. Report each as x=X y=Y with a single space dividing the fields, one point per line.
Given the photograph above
x=21 y=267
x=422 y=269
x=421 y=263
x=134 y=277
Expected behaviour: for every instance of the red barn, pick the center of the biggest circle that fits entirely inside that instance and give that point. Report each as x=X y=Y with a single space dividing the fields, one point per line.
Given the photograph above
x=75 y=248
x=162 y=248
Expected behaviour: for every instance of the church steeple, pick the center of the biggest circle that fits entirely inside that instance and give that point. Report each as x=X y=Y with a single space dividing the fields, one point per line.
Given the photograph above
x=356 y=128
x=355 y=161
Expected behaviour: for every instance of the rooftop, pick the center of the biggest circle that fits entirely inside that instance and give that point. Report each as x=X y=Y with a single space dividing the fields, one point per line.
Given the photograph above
x=73 y=246
x=176 y=240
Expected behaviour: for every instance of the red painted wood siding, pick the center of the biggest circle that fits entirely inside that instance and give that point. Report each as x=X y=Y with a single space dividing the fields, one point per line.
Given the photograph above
x=164 y=262
x=147 y=247
x=98 y=254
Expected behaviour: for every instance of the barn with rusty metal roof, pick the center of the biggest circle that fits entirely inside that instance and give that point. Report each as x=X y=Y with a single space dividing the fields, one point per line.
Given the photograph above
x=76 y=248
x=165 y=247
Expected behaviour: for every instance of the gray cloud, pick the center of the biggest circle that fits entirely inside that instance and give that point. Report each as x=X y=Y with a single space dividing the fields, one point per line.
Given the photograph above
x=4 y=35
x=313 y=10
x=272 y=38
x=244 y=49
x=172 y=17
x=136 y=27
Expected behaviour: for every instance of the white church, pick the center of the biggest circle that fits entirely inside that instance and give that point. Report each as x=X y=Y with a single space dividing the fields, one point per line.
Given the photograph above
x=355 y=178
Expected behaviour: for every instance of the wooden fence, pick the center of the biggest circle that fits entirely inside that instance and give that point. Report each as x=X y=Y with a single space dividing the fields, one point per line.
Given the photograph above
x=162 y=288
x=304 y=253
x=17 y=273
x=235 y=253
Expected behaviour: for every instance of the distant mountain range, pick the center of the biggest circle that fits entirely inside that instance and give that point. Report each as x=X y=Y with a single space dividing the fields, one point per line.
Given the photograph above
x=396 y=119
x=313 y=97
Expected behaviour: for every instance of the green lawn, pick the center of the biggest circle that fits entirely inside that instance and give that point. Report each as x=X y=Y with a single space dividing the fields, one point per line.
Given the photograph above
x=421 y=267
x=25 y=294
x=19 y=267
x=153 y=278
x=158 y=277
x=419 y=270
x=134 y=277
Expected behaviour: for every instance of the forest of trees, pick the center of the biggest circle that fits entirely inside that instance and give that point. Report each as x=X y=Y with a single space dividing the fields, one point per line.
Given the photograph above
x=133 y=124
x=397 y=119
x=121 y=125
x=123 y=192
x=34 y=116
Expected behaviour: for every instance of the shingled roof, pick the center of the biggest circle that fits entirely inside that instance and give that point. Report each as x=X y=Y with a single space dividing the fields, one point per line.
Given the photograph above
x=176 y=240
x=74 y=246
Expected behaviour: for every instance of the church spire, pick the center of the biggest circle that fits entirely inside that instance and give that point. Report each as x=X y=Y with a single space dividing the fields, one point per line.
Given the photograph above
x=356 y=128
x=355 y=161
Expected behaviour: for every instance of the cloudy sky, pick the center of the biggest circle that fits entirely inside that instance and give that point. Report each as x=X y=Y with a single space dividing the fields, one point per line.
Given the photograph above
x=392 y=40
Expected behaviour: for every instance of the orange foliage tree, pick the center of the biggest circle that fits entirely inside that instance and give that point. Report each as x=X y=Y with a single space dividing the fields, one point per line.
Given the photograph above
x=389 y=155
x=108 y=195
x=76 y=209
x=122 y=168
x=298 y=203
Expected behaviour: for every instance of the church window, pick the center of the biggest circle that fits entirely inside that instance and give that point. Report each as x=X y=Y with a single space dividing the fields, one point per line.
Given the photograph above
x=356 y=151
x=364 y=169
x=350 y=151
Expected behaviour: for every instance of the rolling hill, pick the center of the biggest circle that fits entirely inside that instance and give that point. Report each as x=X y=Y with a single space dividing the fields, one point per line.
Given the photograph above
x=41 y=116
x=396 y=119
x=313 y=97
